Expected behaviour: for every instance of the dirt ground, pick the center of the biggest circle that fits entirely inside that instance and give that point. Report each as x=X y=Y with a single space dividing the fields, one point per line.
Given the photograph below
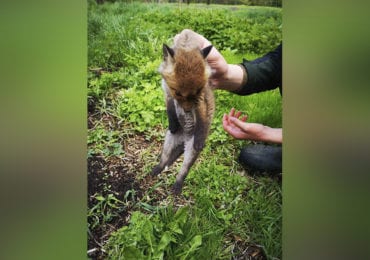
x=121 y=180
x=121 y=175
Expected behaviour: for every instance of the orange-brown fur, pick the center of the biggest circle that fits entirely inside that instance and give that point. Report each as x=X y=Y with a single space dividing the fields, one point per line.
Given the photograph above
x=190 y=103
x=187 y=78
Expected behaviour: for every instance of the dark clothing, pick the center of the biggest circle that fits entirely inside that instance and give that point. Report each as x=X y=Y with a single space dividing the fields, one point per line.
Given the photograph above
x=264 y=73
x=261 y=158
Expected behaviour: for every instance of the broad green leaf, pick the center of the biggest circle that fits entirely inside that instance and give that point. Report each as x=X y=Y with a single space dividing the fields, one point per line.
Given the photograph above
x=163 y=243
x=174 y=227
x=147 y=232
x=194 y=244
x=181 y=215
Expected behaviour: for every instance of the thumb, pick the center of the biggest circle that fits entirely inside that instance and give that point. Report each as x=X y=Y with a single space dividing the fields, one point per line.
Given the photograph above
x=213 y=83
x=238 y=122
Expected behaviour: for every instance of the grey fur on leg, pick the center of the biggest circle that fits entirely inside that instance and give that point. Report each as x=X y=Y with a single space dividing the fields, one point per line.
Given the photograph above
x=172 y=149
x=200 y=132
x=190 y=156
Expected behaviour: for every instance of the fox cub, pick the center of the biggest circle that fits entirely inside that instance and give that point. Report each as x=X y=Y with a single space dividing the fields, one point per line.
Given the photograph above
x=189 y=102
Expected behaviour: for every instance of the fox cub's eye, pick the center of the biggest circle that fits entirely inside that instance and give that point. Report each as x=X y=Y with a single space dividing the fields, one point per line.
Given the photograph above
x=178 y=94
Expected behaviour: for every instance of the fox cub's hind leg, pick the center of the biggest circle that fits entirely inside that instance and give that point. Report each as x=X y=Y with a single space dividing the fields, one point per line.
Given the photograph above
x=190 y=156
x=172 y=149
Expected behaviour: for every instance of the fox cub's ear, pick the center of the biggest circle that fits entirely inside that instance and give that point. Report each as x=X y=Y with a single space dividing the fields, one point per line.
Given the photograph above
x=167 y=51
x=206 y=51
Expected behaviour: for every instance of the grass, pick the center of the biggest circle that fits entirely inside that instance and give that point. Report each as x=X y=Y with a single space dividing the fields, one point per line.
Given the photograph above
x=223 y=210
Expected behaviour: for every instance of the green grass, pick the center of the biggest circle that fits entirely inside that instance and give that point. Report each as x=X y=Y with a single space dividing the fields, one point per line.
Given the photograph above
x=224 y=205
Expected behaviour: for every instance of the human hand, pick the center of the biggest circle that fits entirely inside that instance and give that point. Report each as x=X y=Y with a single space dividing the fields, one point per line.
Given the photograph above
x=240 y=129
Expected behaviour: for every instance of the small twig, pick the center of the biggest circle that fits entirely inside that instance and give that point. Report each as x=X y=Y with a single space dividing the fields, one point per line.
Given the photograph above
x=91 y=251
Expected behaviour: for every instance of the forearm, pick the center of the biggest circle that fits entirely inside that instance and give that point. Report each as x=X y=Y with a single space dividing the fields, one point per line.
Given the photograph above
x=272 y=135
x=234 y=79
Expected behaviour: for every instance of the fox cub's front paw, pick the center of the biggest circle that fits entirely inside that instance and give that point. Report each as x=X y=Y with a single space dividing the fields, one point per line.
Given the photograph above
x=199 y=144
x=174 y=126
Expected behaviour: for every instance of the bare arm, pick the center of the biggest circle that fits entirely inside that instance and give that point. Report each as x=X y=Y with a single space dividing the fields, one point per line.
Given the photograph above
x=240 y=129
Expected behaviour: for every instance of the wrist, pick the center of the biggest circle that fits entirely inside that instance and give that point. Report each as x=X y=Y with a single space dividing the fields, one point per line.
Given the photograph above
x=235 y=77
x=272 y=135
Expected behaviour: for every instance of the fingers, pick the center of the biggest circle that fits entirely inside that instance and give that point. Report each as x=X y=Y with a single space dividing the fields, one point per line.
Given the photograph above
x=233 y=125
x=232 y=112
x=237 y=114
x=213 y=83
x=175 y=38
x=231 y=128
x=239 y=123
x=203 y=42
x=225 y=122
x=226 y=125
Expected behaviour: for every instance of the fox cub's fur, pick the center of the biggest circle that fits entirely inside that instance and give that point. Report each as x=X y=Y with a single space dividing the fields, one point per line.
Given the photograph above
x=189 y=102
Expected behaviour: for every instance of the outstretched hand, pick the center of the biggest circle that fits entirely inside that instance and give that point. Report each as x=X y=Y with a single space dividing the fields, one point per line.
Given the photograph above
x=240 y=129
